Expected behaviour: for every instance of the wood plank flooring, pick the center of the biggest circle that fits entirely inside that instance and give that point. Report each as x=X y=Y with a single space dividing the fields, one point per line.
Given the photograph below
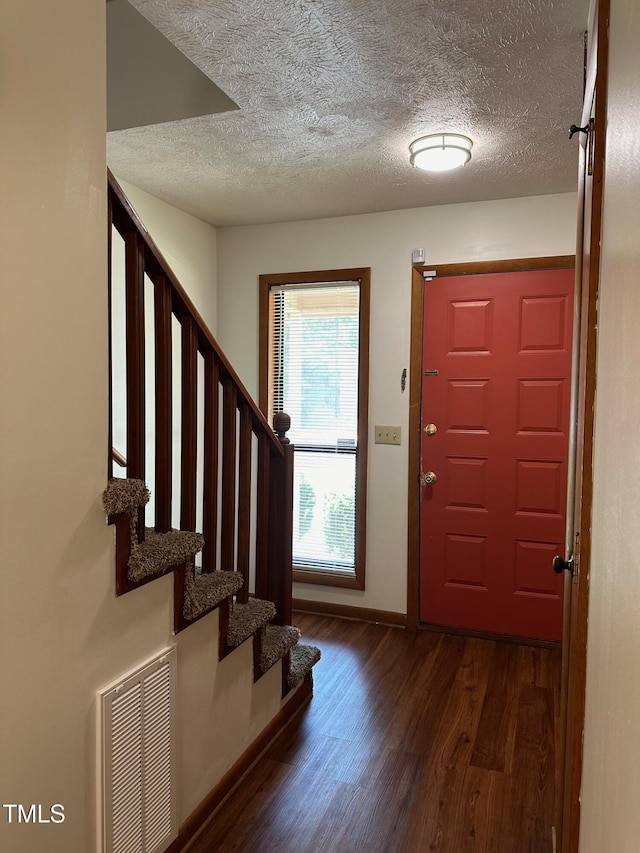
x=413 y=742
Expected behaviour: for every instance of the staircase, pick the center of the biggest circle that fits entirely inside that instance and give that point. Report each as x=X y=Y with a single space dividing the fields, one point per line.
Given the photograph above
x=230 y=463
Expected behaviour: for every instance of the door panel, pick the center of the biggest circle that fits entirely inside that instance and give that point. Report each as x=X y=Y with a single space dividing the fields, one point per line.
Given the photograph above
x=495 y=517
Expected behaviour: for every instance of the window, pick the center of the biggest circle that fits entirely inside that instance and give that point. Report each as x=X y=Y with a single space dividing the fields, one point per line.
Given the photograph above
x=314 y=351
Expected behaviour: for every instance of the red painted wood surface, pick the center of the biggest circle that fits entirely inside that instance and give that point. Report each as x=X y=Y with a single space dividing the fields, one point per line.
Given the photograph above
x=492 y=523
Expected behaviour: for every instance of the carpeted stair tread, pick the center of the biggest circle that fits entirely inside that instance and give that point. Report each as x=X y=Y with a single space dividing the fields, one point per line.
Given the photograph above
x=277 y=640
x=246 y=619
x=160 y=551
x=302 y=660
x=205 y=590
x=124 y=496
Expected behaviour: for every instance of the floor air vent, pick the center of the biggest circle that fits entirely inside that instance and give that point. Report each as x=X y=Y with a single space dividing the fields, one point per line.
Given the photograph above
x=137 y=784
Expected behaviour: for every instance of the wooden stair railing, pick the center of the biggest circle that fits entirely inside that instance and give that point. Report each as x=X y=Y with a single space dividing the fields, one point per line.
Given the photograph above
x=228 y=479
x=118 y=458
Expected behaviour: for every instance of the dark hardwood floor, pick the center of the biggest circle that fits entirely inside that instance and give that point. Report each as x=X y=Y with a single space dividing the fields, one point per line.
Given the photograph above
x=412 y=742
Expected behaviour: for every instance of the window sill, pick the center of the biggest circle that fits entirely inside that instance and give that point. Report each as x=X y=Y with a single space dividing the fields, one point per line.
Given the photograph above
x=347 y=580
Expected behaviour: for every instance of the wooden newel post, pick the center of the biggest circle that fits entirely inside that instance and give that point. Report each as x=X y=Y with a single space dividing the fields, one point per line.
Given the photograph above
x=280 y=576
x=281 y=426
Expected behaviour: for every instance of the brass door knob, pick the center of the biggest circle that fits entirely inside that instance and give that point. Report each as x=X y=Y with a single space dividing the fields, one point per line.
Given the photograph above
x=429 y=479
x=431 y=429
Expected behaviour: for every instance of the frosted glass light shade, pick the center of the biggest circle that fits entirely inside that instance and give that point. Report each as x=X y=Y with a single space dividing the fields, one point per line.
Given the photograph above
x=440 y=152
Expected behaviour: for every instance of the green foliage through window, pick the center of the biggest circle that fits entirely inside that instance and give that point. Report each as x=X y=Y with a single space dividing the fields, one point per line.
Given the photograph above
x=339 y=524
x=306 y=505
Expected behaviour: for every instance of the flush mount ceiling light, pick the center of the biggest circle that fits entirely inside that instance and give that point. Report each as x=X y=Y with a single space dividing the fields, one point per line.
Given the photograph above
x=440 y=152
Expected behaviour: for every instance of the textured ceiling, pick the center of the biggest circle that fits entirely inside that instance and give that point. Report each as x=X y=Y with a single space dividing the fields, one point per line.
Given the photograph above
x=331 y=92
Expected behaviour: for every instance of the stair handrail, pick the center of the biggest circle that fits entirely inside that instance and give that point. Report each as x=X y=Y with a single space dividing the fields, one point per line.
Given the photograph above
x=118 y=457
x=126 y=209
x=274 y=521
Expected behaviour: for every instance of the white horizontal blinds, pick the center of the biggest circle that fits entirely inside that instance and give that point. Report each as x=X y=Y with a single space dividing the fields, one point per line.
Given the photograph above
x=324 y=511
x=314 y=365
x=315 y=362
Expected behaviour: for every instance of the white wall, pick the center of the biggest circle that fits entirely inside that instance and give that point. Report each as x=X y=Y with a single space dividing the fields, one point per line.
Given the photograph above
x=188 y=245
x=54 y=545
x=610 y=818
x=527 y=227
x=63 y=633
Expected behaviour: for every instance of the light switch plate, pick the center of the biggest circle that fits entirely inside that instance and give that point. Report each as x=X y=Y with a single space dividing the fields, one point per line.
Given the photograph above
x=387 y=434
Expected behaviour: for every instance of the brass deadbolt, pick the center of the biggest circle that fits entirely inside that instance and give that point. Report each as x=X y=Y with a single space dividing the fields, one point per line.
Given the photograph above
x=429 y=479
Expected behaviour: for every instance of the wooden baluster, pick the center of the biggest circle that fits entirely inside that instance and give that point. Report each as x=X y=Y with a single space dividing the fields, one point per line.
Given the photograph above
x=211 y=432
x=280 y=577
x=244 y=500
x=134 y=264
x=189 y=424
x=262 y=517
x=164 y=414
x=229 y=404
x=274 y=519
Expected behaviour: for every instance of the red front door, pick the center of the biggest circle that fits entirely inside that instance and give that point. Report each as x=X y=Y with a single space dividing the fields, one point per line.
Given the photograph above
x=496 y=387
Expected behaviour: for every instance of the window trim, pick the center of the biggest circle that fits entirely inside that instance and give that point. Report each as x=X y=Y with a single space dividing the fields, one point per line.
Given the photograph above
x=361 y=276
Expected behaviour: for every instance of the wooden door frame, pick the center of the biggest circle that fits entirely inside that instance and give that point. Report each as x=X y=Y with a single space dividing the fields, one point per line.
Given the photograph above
x=588 y=280
x=415 y=392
